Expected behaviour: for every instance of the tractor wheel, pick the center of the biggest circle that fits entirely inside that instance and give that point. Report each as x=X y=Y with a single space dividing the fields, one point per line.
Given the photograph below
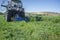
x=22 y=13
x=8 y=18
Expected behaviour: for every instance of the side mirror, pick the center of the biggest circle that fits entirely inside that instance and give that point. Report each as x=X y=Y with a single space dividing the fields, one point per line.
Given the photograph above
x=3 y=6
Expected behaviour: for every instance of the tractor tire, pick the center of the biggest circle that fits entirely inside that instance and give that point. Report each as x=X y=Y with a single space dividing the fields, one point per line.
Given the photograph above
x=7 y=18
x=21 y=13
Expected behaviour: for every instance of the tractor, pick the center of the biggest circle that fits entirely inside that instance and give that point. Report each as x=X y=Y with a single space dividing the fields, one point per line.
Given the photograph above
x=14 y=11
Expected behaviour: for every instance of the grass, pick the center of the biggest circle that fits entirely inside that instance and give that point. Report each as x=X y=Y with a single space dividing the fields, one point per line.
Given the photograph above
x=46 y=29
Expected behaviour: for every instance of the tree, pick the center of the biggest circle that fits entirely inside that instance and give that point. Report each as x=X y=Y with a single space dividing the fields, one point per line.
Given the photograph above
x=1 y=13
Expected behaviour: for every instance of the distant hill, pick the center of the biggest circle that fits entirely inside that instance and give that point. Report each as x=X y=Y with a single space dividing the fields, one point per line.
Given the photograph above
x=43 y=13
x=40 y=13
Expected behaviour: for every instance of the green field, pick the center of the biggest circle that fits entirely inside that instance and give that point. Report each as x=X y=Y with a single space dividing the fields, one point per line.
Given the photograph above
x=46 y=29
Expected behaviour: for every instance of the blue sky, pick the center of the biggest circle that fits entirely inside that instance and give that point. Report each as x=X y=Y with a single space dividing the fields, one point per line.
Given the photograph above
x=39 y=5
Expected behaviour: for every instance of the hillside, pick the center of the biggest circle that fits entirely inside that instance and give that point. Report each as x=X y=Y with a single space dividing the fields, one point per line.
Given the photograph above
x=43 y=13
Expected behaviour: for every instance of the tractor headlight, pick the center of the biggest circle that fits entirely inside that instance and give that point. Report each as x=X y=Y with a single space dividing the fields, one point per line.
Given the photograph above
x=17 y=9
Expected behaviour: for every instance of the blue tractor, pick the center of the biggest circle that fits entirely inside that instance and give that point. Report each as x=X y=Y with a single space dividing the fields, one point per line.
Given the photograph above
x=15 y=11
